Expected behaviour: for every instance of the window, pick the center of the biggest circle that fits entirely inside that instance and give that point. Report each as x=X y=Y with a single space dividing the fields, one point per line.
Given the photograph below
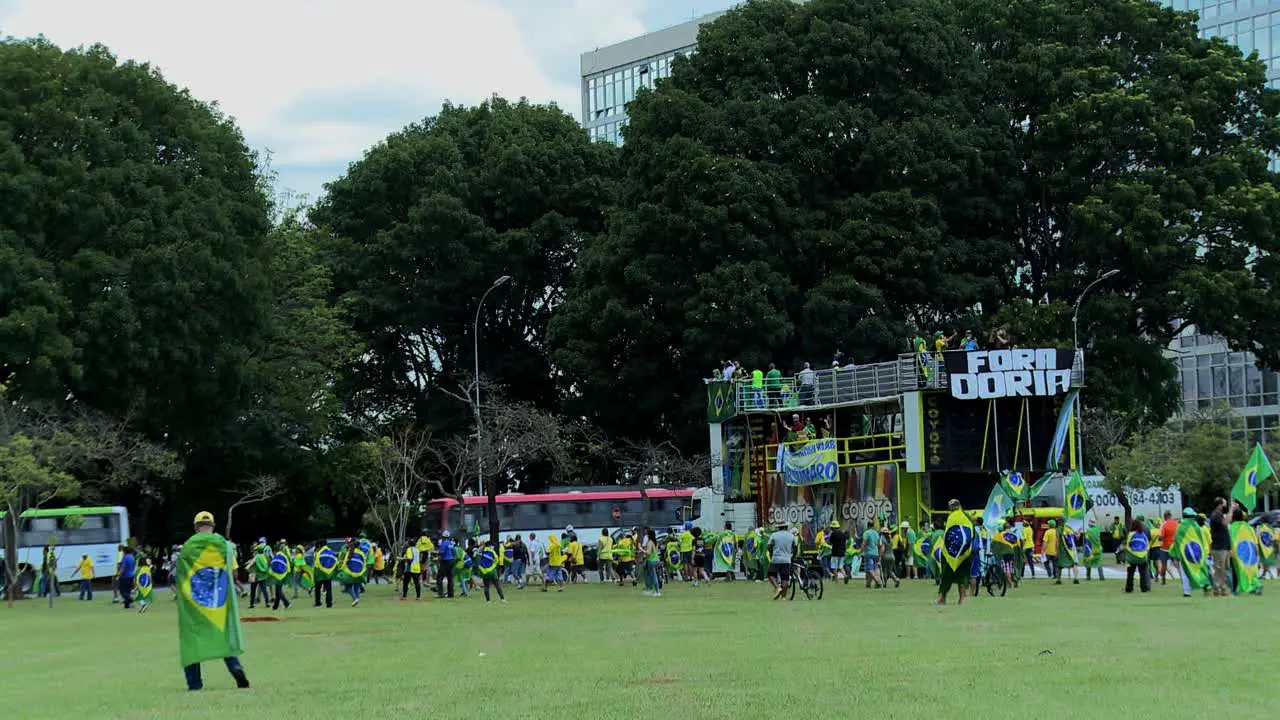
x=91 y=530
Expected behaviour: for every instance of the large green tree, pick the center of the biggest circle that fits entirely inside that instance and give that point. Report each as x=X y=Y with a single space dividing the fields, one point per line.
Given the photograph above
x=813 y=177
x=430 y=218
x=131 y=255
x=1139 y=147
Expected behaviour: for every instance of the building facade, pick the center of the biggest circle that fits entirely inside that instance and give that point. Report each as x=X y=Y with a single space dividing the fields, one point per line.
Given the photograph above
x=612 y=75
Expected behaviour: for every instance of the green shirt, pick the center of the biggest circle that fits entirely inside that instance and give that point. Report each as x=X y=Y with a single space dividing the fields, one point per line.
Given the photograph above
x=871 y=544
x=757 y=378
x=773 y=378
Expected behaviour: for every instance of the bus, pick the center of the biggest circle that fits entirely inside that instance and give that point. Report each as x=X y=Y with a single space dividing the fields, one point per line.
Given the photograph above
x=74 y=531
x=589 y=512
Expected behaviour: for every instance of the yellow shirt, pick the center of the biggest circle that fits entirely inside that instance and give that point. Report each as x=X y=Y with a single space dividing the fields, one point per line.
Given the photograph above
x=1049 y=542
x=85 y=568
x=606 y=547
x=555 y=555
x=379 y=562
x=1028 y=538
x=686 y=542
x=576 y=547
x=425 y=545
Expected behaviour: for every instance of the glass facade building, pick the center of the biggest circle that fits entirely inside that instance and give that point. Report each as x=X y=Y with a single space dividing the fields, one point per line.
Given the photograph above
x=612 y=75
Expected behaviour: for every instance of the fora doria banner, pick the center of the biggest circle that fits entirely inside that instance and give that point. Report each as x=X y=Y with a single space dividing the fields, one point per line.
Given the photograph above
x=988 y=374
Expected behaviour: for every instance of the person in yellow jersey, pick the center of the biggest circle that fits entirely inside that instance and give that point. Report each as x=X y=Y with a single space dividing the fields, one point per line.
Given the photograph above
x=426 y=549
x=1049 y=546
x=604 y=556
x=686 y=554
x=379 y=566
x=85 y=570
x=555 y=564
x=410 y=571
x=624 y=559
x=579 y=557
x=1028 y=550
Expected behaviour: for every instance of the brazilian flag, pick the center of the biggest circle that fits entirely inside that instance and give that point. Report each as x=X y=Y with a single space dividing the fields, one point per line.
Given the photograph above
x=1091 y=548
x=306 y=575
x=1014 y=486
x=1137 y=547
x=1267 y=544
x=1075 y=503
x=726 y=547
x=673 y=558
x=1068 y=552
x=353 y=568
x=145 y=586
x=278 y=568
x=208 y=619
x=1191 y=552
x=1005 y=543
x=957 y=539
x=1245 y=556
x=326 y=563
x=487 y=562
x=921 y=550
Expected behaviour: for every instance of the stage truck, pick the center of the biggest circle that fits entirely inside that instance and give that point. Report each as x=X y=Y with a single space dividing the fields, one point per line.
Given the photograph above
x=591 y=511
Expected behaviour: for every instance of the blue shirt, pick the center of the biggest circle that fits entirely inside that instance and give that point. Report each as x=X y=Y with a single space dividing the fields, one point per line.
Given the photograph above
x=128 y=566
x=446 y=550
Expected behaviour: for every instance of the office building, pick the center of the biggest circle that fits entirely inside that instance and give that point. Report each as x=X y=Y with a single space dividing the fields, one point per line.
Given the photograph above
x=612 y=75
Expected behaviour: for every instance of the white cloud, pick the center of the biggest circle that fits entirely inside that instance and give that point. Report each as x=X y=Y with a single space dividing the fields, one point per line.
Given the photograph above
x=264 y=61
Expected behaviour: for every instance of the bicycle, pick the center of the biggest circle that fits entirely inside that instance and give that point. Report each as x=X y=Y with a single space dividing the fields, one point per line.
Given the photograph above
x=993 y=575
x=808 y=579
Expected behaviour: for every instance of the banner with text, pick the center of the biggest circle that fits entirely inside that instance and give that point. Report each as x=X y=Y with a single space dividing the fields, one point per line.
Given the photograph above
x=1021 y=372
x=808 y=463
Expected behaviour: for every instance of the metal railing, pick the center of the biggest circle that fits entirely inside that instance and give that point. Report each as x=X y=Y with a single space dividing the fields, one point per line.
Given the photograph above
x=818 y=389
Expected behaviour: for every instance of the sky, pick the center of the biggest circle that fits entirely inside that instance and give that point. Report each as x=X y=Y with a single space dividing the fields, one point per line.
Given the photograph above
x=317 y=82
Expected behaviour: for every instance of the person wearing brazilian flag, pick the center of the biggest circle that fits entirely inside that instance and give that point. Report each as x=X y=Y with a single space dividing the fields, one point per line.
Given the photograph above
x=1137 y=551
x=1191 y=553
x=326 y=565
x=1004 y=546
x=303 y=577
x=146 y=585
x=957 y=553
x=279 y=570
x=487 y=564
x=208 y=619
x=1091 y=551
x=1245 y=555
x=352 y=569
x=671 y=554
x=1267 y=545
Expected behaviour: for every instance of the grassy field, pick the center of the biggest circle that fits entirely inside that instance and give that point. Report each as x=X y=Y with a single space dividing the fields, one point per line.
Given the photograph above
x=724 y=651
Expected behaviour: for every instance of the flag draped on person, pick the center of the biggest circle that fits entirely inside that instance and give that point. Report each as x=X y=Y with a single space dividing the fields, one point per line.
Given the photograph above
x=957 y=539
x=208 y=619
x=146 y=588
x=1190 y=551
x=353 y=568
x=1091 y=547
x=306 y=573
x=1245 y=556
x=278 y=568
x=1256 y=471
x=326 y=563
x=1075 y=502
x=1267 y=544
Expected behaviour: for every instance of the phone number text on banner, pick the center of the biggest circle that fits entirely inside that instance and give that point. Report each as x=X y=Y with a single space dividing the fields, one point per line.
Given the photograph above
x=811 y=463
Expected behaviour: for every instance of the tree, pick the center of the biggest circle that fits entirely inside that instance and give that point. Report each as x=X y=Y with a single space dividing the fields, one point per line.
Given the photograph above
x=131 y=245
x=812 y=177
x=1131 y=144
x=516 y=436
x=426 y=222
x=396 y=491
x=650 y=465
x=1202 y=454
x=254 y=490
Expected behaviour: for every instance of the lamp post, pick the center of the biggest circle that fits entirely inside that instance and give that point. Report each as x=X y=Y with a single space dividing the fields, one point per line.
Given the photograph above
x=1079 y=355
x=475 y=407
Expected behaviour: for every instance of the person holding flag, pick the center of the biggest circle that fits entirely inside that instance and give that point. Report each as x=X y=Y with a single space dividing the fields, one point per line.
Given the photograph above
x=1256 y=471
x=208 y=619
x=1137 y=547
x=326 y=565
x=1267 y=545
x=278 y=570
x=957 y=553
x=1092 y=553
x=145 y=583
x=1191 y=553
x=352 y=567
x=1245 y=555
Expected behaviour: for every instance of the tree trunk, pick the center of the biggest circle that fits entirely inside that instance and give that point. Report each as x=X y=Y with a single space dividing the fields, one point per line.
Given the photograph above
x=11 y=555
x=1123 y=497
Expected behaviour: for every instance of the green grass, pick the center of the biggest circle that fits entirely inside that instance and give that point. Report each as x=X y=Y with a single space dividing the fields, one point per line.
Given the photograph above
x=724 y=651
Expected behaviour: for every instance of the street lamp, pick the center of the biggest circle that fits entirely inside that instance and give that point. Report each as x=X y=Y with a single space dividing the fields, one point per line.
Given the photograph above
x=1079 y=356
x=475 y=407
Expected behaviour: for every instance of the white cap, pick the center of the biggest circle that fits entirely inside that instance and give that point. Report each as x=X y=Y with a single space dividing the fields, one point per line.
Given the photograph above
x=568 y=528
x=444 y=534
x=906 y=524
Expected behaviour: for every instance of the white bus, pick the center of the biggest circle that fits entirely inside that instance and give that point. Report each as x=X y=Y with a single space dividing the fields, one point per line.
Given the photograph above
x=74 y=531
